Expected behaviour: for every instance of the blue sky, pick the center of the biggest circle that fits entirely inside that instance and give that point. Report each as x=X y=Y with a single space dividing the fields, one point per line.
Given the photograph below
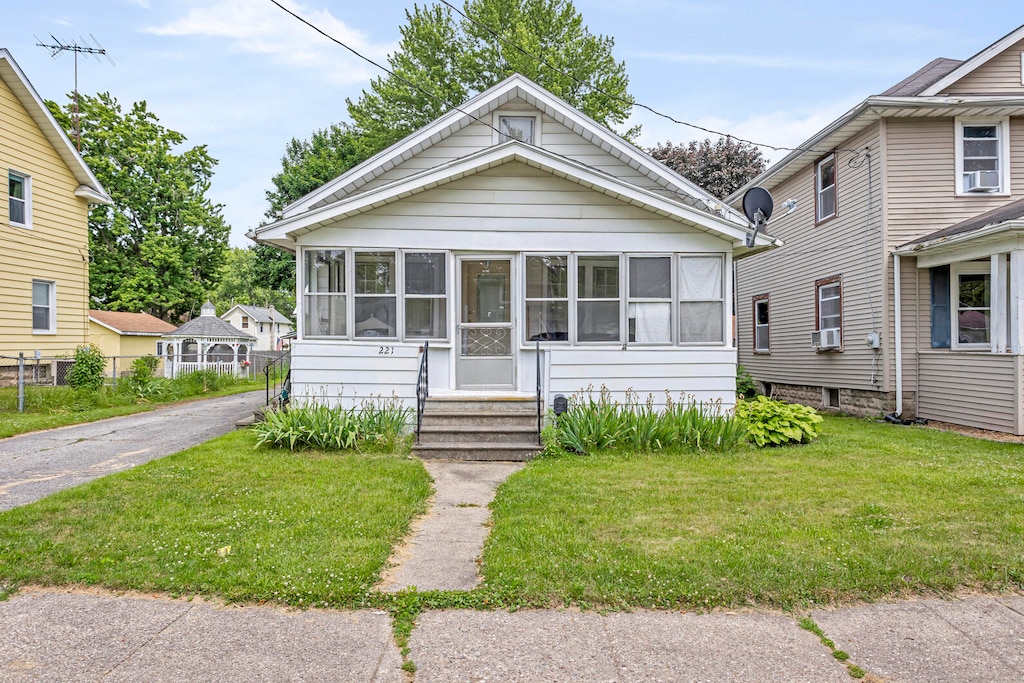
x=243 y=78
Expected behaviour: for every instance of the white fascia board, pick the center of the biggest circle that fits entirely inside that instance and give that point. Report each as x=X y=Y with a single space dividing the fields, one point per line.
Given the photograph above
x=103 y=324
x=974 y=62
x=26 y=94
x=515 y=86
x=496 y=156
x=963 y=240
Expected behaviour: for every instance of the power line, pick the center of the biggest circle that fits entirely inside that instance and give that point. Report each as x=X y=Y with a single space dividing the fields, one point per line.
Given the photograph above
x=625 y=100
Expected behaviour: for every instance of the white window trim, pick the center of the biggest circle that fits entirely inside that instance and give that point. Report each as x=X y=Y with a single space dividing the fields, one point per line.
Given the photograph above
x=677 y=261
x=766 y=300
x=52 y=306
x=575 y=300
x=970 y=268
x=1003 y=123
x=27 y=181
x=532 y=114
x=570 y=290
x=818 y=189
x=672 y=300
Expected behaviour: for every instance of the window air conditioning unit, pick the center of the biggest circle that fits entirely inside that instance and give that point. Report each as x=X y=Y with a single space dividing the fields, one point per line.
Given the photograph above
x=826 y=339
x=981 y=181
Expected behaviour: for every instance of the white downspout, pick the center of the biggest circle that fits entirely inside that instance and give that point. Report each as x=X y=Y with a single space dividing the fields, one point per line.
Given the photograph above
x=898 y=345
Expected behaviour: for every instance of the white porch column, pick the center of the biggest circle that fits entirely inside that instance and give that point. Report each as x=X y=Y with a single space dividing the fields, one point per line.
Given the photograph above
x=998 y=302
x=1016 y=285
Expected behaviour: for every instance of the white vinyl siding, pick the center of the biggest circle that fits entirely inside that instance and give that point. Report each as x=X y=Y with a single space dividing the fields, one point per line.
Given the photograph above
x=1001 y=75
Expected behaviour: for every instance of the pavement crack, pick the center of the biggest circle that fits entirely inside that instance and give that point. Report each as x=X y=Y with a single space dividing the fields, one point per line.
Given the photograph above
x=146 y=644
x=972 y=640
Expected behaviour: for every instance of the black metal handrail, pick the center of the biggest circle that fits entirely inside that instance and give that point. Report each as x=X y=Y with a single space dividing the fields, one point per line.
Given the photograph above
x=273 y=372
x=422 y=388
x=540 y=409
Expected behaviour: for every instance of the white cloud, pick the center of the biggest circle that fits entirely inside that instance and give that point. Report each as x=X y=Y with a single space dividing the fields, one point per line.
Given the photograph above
x=262 y=28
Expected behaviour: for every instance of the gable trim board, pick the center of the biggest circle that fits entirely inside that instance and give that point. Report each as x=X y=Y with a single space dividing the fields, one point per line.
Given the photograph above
x=284 y=232
x=976 y=61
x=89 y=187
x=481 y=107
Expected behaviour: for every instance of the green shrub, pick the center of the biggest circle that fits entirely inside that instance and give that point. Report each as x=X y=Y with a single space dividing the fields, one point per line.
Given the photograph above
x=376 y=424
x=745 y=385
x=591 y=425
x=87 y=372
x=773 y=423
x=144 y=367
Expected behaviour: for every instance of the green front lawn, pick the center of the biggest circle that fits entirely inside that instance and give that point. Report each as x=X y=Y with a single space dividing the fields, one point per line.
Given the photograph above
x=223 y=519
x=869 y=510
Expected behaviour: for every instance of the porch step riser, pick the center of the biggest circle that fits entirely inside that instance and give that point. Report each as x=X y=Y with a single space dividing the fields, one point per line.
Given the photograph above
x=505 y=437
x=448 y=453
x=517 y=407
x=489 y=421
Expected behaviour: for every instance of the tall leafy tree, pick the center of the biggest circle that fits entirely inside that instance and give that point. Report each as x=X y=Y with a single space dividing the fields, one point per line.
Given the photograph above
x=453 y=57
x=160 y=247
x=720 y=167
x=308 y=164
x=242 y=282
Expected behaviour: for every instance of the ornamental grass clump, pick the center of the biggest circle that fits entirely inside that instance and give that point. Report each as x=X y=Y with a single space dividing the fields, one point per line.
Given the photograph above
x=377 y=424
x=774 y=423
x=590 y=425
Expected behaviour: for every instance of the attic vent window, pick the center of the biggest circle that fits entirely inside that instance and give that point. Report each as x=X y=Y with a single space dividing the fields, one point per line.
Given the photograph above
x=517 y=128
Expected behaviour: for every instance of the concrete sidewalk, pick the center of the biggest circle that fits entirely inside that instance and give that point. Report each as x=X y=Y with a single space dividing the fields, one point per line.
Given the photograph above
x=66 y=636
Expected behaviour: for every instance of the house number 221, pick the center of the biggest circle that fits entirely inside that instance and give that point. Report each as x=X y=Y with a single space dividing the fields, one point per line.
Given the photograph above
x=386 y=351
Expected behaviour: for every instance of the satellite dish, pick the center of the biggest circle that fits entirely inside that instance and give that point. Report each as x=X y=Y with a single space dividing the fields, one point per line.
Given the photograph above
x=757 y=205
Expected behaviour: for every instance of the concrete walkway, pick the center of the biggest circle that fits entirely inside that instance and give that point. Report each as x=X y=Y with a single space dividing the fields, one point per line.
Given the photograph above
x=442 y=550
x=34 y=465
x=64 y=636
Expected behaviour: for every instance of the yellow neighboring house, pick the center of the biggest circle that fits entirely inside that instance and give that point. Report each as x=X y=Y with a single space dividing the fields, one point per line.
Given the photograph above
x=128 y=335
x=44 y=225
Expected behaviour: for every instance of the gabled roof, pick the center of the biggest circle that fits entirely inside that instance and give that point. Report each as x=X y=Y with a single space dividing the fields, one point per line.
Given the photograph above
x=514 y=87
x=927 y=75
x=209 y=325
x=89 y=187
x=914 y=96
x=132 y=324
x=259 y=314
x=283 y=232
x=974 y=62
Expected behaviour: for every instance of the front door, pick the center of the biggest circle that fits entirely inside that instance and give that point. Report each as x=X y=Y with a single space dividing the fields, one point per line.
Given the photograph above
x=486 y=336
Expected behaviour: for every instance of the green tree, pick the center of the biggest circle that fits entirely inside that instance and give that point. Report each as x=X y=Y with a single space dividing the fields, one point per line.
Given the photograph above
x=454 y=58
x=160 y=247
x=720 y=167
x=308 y=164
x=243 y=282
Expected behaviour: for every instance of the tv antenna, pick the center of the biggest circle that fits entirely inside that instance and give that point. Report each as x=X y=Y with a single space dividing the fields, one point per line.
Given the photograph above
x=85 y=48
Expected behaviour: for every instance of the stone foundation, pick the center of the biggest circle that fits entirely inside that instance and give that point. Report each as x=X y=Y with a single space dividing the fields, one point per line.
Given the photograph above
x=851 y=401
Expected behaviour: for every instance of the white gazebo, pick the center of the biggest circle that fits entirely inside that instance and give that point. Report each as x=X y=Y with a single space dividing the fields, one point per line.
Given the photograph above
x=207 y=343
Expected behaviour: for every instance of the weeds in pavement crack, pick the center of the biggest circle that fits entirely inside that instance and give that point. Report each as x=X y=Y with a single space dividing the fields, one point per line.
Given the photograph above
x=809 y=624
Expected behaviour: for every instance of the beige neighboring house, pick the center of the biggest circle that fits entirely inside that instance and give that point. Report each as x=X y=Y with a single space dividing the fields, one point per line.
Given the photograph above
x=900 y=288
x=268 y=325
x=127 y=335
x=526 y=251
x=44 y=228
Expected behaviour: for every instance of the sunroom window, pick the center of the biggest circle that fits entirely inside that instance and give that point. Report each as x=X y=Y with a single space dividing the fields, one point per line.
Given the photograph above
x=426 y=308
x=598 y=299
x=375 y=300
x=325 y=293
x=973 y=299
x=650 y=299
x=547 y=298
x=701 y=299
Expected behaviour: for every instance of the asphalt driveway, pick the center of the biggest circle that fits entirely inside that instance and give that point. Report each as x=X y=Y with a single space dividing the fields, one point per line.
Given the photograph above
x=37 y=464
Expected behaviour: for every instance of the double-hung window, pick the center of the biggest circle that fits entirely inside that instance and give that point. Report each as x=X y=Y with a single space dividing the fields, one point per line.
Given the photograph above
x=43 y=307
x=701 y=299
x=598 y=299
x=547 y=298
x=762 y=325
x=972 y=296
x=650 y=299
x=325 y=293
x=825 y=188
x=982 y=154
x=375 y=301
x=829 y=312
x=19 y=199
x=426 y=307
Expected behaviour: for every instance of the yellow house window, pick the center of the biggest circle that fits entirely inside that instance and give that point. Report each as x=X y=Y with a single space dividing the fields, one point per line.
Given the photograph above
x=19 y=199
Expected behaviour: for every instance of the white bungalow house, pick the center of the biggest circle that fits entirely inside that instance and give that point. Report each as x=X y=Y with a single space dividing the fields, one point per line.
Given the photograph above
x=519 y=238
x=207 y=343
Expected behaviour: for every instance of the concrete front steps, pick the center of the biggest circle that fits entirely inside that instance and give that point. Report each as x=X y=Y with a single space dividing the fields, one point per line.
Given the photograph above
x=479 y=428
